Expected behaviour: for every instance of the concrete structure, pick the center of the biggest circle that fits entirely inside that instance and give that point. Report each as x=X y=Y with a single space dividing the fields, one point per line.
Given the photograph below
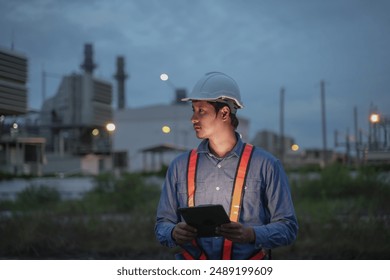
x=270 y=141
x=74 y=121
x=82 y=103
x=154 y=135
x=13 y=79
x=20 y=153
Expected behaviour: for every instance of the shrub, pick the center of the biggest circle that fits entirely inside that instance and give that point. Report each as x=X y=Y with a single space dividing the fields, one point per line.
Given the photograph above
x=35 y=197
x=123 y=194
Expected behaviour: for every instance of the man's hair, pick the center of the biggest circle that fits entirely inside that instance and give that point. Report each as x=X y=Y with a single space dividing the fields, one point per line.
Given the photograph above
x=233 y=118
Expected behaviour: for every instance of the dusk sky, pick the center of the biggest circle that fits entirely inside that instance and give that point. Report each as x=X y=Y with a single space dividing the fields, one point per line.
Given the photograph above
x=263 y=44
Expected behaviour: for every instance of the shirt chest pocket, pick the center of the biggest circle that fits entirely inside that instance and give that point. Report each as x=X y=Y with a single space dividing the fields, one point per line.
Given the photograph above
x=252 y=201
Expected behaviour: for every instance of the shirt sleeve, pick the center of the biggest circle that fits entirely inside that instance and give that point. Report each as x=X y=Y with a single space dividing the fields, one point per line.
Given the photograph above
x=283 y=226
x=167 y=216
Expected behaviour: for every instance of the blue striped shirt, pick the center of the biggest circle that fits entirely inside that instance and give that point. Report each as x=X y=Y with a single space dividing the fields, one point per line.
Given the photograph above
x=266 y=204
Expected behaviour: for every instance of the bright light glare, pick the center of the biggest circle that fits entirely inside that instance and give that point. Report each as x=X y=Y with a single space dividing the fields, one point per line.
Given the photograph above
x=166 y=129
x=374 y=118
x=110 y=127
x=95 y=132
x=295 y=147
x=164 y=77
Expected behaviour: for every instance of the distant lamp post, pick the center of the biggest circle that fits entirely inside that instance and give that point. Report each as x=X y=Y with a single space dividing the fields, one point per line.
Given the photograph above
x=95 y=132
x=295 y=148
x=14 y=130
x=165 y=78
x=166 y=129
x=111 y=128
x=375 y=118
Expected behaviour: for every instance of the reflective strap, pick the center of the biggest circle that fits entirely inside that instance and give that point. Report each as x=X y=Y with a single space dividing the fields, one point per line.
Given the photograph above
x=186 y=255
x=239 y=182
x=191 y=177
x=259 y=255
x=235 y=205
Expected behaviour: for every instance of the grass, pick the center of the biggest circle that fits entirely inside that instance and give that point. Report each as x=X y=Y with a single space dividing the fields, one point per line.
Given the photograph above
x=340 y=217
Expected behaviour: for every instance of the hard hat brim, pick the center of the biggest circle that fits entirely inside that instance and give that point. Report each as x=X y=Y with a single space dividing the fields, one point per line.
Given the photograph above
x=221 y=97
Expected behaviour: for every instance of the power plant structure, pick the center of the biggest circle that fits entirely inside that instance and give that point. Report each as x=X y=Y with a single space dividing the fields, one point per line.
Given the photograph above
x=13 y=82
x=78 y=112
x=121 y=77
x=19 y=153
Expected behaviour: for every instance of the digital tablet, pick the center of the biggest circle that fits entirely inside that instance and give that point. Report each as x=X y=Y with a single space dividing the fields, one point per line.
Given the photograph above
x=205 y=218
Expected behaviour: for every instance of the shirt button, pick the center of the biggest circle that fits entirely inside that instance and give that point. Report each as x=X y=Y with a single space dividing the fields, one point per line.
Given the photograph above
x=219 y=166
x=217 y=188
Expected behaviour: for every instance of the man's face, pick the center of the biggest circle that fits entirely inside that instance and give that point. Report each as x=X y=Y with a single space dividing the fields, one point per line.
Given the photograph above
x=204 y=119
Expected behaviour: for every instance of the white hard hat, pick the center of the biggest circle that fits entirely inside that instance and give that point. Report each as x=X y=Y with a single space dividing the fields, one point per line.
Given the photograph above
x=217 y=87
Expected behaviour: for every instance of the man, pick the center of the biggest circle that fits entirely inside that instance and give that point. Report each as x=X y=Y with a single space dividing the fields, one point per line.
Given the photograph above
x=249 y=182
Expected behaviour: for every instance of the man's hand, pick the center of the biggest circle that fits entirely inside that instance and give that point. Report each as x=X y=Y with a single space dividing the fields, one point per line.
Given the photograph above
x=236 y=232
x=183 y=233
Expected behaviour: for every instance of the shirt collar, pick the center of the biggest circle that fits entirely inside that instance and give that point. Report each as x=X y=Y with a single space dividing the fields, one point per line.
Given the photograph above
x=236 y=151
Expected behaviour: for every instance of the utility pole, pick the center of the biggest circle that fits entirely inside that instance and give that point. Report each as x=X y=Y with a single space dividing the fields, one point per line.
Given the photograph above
x=281 y=141
x=324 y=147
x=43 y=85
x=357 y=142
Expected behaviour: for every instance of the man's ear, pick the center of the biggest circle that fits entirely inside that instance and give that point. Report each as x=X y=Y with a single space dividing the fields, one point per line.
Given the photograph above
x=225 y=112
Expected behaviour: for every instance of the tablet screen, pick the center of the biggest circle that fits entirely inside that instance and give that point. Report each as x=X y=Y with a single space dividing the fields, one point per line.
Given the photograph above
x=205 y=218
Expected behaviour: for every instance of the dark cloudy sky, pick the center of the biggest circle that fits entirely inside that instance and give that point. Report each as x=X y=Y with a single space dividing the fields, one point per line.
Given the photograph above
x=263 y=44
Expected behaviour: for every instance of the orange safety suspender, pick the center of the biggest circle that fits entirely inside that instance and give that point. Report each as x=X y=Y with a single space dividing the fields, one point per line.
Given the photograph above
x=191 y=177
x=235 y=205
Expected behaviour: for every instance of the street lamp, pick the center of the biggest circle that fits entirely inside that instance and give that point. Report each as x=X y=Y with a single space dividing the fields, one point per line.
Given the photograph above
x=110 y=127
x=375 y=118
x=165 y=78
x=166 y=129
x=294 y=147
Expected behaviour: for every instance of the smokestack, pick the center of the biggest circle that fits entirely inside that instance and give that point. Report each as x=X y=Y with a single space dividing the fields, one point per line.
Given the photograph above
x=180 y=94
x=120 y=77
x=88 y=64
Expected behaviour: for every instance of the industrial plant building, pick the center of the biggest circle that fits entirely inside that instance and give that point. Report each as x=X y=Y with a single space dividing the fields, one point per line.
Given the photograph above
x=19 y=153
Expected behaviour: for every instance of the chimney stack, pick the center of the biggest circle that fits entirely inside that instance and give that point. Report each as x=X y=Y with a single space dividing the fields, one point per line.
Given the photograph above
x=88 y=64
x=120 y=77
x=180 y=94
